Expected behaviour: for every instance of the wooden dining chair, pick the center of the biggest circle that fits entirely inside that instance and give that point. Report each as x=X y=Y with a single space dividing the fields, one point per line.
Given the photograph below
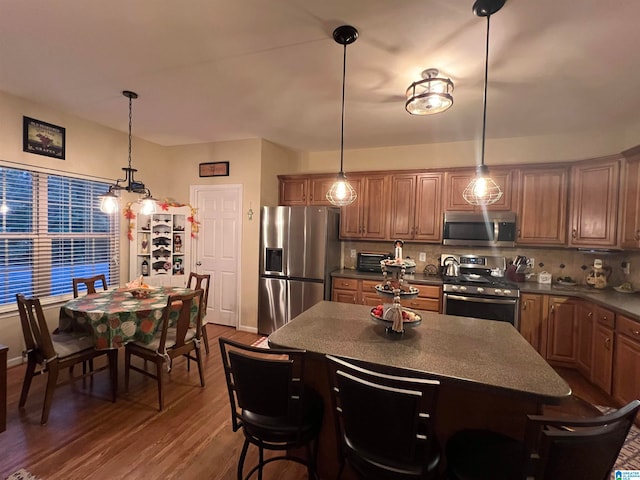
x=271 y=403
x=385 y=421
x=89 y=283
x=554 y=448
x=173 y=340
x=195 y=282
x=55 y=353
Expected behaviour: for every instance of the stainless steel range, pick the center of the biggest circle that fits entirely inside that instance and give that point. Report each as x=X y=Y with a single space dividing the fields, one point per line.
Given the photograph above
x=476 y=287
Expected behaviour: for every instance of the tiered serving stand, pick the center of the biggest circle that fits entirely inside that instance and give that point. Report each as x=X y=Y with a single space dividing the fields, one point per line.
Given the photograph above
x=396 y=287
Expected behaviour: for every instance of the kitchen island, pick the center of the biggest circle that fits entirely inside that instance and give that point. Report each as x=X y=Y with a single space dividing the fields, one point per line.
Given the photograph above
x=490 y=376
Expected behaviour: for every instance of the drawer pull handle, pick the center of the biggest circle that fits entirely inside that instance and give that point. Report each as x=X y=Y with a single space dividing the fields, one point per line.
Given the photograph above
x=635 y=332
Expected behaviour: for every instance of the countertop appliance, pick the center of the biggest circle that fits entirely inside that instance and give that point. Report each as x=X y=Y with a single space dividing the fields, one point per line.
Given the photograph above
x=487 y=229
x=299 y=248
x=480 y=289
x=370 y=261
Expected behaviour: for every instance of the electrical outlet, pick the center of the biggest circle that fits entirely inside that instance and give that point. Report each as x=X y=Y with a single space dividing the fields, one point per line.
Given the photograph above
x=353 y=253
x=422 y=257
x=531 y=262
x=627 y=268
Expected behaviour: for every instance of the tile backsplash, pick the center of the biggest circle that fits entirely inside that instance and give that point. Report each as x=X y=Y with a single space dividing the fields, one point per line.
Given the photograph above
x=559 y=262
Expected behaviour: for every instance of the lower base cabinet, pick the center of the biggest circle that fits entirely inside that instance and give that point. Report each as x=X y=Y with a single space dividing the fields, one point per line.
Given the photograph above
x=363 y=292
x=626 y=361
x=531 y=320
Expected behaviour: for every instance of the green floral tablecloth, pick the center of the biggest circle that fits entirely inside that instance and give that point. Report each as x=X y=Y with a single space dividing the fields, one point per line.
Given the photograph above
x=116 y=317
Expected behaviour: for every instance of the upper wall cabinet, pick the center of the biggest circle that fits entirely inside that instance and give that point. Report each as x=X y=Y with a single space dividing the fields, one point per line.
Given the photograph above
x=630 y=214
x=457 y=180
x=305 y=189
x=366 y=218
x=594 y=202
x=542 y=205
x=416 y=207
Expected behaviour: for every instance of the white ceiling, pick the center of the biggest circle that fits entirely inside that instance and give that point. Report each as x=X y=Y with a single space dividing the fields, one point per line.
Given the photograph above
x=222 y=70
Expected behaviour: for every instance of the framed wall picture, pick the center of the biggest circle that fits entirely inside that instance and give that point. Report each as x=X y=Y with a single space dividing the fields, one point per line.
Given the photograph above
x=214 y=169
x=43 y=138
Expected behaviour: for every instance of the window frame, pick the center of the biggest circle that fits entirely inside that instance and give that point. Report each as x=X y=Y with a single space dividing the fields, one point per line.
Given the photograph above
x=42 y=240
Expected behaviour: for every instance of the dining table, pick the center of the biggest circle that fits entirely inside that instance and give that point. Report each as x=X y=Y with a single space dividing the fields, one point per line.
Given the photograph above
x=116 y=317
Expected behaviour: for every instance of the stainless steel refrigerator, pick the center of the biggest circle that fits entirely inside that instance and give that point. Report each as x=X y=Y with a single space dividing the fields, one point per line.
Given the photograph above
x=299 y=248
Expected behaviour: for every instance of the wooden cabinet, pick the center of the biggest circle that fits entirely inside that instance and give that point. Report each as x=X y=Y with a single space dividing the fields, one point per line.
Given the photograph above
x=429 y=299
x=562 y=334
x=366 y=218
x=457 y=180
x=542 y=206
x=531 y=320
x=369 y=293
x=345 y=290
x=416 y=207
x=304 y=189
x=630 y=215
x=585 y=338
x=601 y=369
x=594 y=203
x=626 y=361
x=363 y=292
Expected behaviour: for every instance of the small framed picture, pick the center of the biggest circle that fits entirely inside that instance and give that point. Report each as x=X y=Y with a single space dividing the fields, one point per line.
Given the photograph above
x=43 y=138
x=214 y=169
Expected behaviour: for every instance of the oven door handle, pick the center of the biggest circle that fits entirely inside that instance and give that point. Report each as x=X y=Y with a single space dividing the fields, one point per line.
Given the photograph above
x=482 y=300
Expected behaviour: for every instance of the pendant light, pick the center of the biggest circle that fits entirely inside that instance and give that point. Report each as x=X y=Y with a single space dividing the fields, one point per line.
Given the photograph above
x=483 y=190
x=109 y=202
x=430 y=95
x=341 y=192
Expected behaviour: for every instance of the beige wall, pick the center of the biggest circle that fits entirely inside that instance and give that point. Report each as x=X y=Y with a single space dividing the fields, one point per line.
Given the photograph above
x=552 y=148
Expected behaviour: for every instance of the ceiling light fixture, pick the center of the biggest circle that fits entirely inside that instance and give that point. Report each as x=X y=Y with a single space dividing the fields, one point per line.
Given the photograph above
x=483 y=190
x=430 y=95
x=109 y=202
x=341 y=192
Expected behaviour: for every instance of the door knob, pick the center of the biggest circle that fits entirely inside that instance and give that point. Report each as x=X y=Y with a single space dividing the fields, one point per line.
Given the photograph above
x=198 y=263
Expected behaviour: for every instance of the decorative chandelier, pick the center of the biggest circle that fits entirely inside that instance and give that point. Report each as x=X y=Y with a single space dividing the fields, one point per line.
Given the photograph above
x=109 y=202
x=341 y=192
x=430 y=95
x=483 y=190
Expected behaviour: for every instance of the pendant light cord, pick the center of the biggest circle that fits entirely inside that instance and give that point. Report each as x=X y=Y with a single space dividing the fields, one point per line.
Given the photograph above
x=344 y=74
x=484 y=98
x=130 y=116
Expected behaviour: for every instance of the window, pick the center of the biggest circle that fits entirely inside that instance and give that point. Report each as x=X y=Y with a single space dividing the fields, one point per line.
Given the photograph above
x=51 y=230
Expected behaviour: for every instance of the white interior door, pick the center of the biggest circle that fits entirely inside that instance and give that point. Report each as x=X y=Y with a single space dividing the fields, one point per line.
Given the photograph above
x=217 y=248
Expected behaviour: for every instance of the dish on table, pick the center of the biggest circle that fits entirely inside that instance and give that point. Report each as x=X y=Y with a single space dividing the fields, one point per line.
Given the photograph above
x=141 y=292
x=408 y=316
x=624 y=289
x=566 y=282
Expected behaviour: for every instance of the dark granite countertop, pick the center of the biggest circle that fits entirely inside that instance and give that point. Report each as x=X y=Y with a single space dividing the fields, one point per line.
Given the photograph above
x=484 y=355
x=625 y=303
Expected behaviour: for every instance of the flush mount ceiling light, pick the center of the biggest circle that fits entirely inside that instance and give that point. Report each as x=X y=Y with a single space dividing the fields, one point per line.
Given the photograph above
x=341 y=192
x=109 y=201
x=483 y=190
x=430 y=95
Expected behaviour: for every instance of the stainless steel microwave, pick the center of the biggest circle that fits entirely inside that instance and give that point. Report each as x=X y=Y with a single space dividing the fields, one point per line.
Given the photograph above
x=487 y=229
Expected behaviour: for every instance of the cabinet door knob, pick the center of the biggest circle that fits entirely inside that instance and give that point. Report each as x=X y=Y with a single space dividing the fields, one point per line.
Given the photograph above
x=574 y=233
x=590 y=314
x=607 y=343
x=524 y=306
x=635 y=332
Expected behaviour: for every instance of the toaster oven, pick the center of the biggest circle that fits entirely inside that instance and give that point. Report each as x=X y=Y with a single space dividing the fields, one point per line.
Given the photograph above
x=370 y=261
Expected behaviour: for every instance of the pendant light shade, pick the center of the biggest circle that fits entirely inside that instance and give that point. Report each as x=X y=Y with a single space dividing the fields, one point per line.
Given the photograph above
x=341 y=192
x=430 y=95
x=483 y=190
x=109 y=202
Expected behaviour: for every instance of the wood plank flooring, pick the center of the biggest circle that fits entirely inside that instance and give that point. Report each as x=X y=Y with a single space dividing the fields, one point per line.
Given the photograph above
x=89 y=437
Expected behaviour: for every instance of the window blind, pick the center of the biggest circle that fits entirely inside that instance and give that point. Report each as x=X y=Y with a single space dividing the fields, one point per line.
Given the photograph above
x=52 y=230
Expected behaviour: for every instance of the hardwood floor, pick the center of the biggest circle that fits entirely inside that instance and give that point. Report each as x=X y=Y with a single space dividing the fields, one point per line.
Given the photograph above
x=89 y=437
